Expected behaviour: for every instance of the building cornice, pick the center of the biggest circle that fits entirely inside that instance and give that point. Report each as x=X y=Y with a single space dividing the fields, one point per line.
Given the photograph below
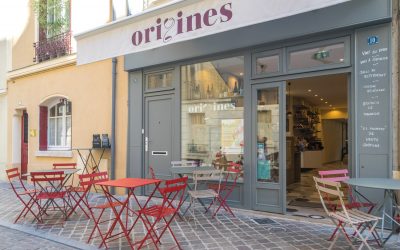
x=41 y=67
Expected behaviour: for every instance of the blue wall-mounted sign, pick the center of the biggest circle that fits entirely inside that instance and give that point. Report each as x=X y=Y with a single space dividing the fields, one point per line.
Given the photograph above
x=373 y=40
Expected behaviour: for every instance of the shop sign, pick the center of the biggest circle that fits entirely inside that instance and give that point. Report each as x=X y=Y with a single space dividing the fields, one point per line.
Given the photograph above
x=153 y=29
x=216 y=106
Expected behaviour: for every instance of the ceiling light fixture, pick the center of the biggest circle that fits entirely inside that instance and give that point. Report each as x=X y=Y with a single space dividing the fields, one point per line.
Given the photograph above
x=322 y=99
x=315 y=95
x=326 y=102
x=309 y=90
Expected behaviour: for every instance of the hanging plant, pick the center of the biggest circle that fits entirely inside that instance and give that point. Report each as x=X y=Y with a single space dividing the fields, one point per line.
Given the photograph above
x=53 y=16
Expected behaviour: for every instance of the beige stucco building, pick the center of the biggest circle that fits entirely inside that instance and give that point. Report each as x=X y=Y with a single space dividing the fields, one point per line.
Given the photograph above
x=76 y=100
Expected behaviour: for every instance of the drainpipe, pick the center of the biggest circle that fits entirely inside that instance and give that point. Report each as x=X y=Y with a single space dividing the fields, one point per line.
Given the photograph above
x=113 y=99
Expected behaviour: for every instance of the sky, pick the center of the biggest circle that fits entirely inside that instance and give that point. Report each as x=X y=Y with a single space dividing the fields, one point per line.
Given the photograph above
x=13 y=16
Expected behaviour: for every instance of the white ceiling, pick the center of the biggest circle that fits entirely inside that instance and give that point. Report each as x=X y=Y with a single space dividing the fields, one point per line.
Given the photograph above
x=332 y=88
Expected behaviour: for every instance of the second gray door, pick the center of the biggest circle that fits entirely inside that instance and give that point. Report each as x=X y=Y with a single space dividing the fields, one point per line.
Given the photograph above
x=159 y=134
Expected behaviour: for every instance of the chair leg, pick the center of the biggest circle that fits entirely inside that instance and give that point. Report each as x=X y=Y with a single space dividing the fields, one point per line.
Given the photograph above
x=342 y=230
x=365 y=240
x=150 y=230
x=96 y=226
x=78 y=204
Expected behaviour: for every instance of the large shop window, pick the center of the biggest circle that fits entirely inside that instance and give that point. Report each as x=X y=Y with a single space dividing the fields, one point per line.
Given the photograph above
x=55 y=125
x=212 y=112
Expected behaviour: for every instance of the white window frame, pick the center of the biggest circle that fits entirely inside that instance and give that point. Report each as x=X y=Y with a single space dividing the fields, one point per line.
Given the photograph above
x=53 y=15
x=64 y=127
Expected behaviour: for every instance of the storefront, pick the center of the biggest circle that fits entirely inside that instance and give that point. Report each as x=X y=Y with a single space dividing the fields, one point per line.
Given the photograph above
x=221 y=96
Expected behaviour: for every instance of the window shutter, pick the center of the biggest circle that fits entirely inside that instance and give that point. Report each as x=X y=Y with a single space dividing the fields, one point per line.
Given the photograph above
x=43 y=128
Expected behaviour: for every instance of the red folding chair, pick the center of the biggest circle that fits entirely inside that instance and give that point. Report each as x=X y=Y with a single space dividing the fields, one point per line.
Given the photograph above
x=163 y=214
x=340 y=175
x=80 y=194
x=231 y=176
x=21 y=191
x=90 y=180
x=63 y=166
x=51 y=189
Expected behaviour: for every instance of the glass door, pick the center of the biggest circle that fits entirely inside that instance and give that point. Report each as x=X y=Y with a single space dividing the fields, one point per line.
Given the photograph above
x=268 y=147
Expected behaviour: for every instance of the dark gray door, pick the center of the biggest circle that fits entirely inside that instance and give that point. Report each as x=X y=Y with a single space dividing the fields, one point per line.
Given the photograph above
x=159 y=134
x=268 y=147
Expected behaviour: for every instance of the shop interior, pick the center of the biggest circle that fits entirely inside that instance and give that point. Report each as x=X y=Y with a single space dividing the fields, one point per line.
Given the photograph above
x=316 y=135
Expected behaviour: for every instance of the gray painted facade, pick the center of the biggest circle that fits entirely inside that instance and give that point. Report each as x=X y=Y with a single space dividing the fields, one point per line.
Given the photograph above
x=353 y=22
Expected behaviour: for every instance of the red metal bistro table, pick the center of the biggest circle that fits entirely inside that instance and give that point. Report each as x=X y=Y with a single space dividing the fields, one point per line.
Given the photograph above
x=130 y=184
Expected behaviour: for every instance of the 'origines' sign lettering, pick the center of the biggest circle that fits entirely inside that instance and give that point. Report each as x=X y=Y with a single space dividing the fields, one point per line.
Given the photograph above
x=168 y=28
x=181 y=21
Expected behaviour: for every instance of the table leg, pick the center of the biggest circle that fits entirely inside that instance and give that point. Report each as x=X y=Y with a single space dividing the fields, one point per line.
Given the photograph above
x=392 y=197
x=141 y=207
x=85 y=162
x=117 y=219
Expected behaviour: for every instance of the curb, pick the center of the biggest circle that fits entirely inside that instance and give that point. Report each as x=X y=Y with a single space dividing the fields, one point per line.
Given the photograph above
x=50 y=237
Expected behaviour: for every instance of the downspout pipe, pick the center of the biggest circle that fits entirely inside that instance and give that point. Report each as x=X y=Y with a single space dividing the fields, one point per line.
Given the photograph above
x=113 y=104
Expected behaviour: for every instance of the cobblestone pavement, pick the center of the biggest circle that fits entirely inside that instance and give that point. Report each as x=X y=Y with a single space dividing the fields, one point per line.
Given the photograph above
x=17 y=240
x=225 y=232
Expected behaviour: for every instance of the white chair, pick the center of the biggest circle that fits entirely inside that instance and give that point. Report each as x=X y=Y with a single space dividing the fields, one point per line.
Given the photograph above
x=342 y=216
x=201 y=179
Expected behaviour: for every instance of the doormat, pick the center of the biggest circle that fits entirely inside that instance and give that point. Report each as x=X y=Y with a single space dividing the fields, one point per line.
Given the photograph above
x=298 y=203
x=264 y=221
x=291 y=210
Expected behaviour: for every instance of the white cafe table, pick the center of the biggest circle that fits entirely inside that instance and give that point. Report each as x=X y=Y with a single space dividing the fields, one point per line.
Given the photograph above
x=389 y=186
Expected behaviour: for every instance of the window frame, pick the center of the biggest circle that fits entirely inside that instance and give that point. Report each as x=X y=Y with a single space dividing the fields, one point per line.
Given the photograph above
x=52 y=14
x=64 y=117
x=297 y=48
x=268 y=53
x=146 y=75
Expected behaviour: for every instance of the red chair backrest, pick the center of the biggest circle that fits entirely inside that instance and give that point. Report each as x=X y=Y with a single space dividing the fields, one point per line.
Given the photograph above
x=174 y=190
x=64 y=165
x=13 y=175
x=334 y=175
x=50 y=181
x=88 y=180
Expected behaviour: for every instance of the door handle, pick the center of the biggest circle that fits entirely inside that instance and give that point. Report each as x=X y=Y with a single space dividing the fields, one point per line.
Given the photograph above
x=146 y=144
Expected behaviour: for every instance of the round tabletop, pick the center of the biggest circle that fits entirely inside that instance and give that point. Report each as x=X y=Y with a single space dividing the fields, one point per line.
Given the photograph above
x=379 y=183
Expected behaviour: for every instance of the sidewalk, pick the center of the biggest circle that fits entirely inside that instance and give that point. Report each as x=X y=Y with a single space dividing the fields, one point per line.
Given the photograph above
x=247 y=231
x=14 y=239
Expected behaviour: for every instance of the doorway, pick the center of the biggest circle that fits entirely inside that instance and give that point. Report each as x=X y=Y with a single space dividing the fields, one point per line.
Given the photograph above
x=24 y=143
x=317 y=115
x=268 y=143
x=158 y=132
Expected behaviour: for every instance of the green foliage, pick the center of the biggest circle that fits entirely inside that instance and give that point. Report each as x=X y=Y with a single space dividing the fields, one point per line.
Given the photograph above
x=53 y=15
